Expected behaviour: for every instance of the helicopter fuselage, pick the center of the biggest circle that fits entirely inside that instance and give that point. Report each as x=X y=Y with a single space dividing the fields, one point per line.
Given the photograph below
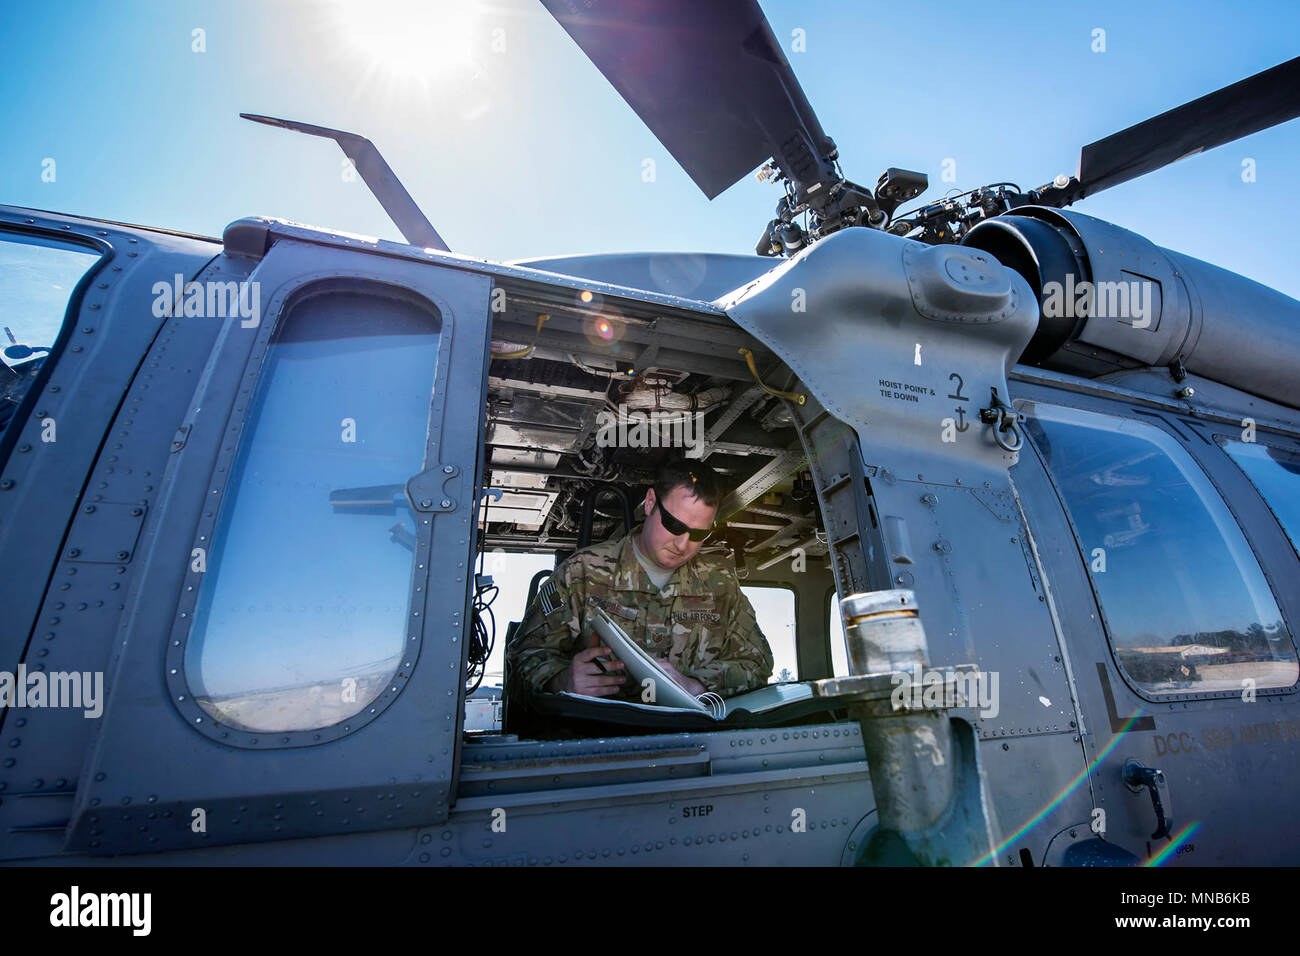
x=283 y=674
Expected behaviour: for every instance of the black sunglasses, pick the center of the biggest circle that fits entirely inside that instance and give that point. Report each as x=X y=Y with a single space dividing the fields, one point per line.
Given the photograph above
x=675 y=527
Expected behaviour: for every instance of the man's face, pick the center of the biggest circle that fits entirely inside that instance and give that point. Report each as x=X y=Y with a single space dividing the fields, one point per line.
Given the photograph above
x=664 y=548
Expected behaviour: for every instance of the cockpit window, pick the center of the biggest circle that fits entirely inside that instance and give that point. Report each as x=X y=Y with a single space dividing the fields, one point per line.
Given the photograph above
x=37 y=276
x=1275 y=472
x=302 y=616
x=1187 y=608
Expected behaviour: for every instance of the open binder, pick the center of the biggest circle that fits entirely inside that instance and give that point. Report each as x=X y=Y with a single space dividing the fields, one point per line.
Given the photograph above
x=669 y=696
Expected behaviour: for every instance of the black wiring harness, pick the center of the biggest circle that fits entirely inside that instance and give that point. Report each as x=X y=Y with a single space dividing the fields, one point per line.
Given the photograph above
x=483 y=631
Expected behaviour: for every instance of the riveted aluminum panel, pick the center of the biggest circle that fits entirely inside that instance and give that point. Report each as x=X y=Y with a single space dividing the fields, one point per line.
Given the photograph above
x=62 y=609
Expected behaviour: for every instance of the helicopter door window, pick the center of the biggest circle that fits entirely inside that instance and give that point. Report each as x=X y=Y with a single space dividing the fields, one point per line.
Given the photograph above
x=1275 y=473
x=301 y=617
x=37 y=279
x=1187 y=608
x=774 y=610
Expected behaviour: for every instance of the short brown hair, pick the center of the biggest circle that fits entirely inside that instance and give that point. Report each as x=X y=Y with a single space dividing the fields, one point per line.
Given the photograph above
x=697 y=476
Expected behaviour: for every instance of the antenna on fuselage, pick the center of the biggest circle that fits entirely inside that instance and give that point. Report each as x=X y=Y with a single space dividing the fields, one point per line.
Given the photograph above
x=378 y=177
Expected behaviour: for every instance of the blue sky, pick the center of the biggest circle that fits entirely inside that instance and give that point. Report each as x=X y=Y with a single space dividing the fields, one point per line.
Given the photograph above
x=527 y=151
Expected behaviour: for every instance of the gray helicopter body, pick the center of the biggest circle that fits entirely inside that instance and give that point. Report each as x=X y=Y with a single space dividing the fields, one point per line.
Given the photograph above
x=103 y=523
x=1072 y=456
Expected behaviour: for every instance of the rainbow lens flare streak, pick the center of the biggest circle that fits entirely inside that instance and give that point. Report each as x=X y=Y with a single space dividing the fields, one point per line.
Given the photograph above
x=1174 y=843
x=1070 y=788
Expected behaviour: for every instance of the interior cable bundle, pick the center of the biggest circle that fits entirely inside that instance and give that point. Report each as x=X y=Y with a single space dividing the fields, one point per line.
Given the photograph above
x=483 y=630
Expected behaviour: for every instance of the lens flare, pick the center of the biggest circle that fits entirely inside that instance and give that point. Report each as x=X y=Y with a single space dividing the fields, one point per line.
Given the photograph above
x=603 y=329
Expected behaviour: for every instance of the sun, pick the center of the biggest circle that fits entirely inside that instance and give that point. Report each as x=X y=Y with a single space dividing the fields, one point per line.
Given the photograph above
x=407 y=40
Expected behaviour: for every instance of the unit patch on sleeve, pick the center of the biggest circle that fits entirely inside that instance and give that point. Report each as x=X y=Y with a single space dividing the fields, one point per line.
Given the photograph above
x=549 y=596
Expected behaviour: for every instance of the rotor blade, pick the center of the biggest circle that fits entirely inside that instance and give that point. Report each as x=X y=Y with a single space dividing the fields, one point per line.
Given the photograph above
x=709 y=79
x=1255 y=103
x=378 y=177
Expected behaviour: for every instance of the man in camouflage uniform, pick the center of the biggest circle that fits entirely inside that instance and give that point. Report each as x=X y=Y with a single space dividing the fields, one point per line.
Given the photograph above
x=693 y=619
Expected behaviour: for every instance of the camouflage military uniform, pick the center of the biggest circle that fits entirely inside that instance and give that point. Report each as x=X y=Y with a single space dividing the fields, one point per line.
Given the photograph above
x=700 y=620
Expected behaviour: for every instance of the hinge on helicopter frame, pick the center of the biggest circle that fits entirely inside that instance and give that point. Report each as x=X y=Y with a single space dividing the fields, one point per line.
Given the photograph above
x=436 y=489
